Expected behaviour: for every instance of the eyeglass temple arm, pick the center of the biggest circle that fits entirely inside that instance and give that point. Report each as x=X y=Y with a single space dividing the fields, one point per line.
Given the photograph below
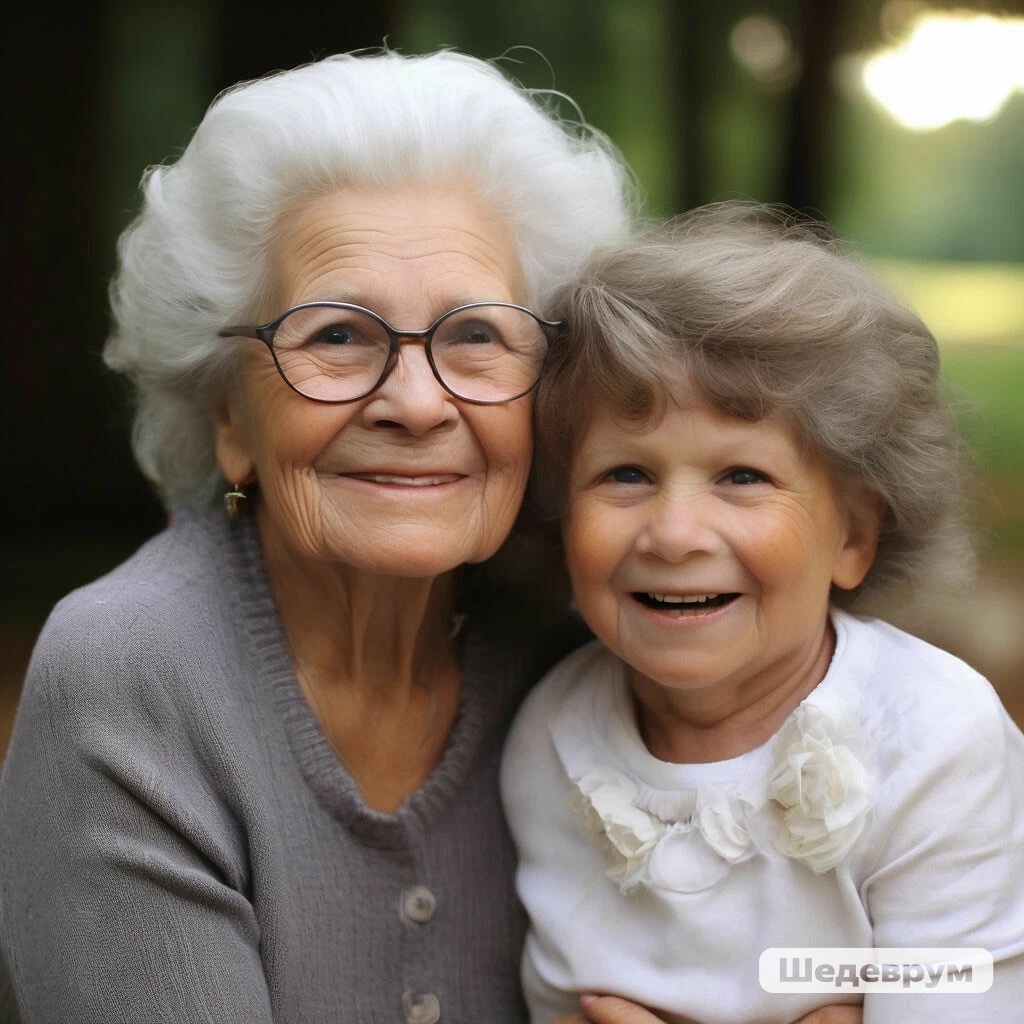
x=240 y=332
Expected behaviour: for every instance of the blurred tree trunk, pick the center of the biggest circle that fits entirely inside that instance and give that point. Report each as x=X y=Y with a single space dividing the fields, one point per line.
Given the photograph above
x=806 y=171
x=688 y=99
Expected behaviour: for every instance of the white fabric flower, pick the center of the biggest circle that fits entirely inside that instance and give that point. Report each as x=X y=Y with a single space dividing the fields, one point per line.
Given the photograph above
x=721 y=824
x=684 y=862
x=631 y=832
x=686 y=855
x=697 y=853
x=824 y=787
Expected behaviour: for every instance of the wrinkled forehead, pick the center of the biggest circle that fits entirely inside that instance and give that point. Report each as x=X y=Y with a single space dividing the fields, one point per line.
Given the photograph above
x=408 y=253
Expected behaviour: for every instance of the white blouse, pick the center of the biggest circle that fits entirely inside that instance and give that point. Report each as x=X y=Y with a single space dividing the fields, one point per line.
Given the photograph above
x=887 y=811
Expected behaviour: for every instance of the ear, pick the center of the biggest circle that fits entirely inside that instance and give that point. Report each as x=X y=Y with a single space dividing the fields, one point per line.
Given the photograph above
x=865 y=513
x=231 y=445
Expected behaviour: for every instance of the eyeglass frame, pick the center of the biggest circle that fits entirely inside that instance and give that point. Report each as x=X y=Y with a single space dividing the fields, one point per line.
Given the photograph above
x=266 y=332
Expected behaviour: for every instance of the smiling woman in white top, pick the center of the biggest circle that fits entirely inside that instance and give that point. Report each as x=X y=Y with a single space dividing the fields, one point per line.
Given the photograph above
x=744 y=759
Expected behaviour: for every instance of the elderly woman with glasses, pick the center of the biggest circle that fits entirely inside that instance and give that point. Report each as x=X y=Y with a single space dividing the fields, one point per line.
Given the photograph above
x=253 y=774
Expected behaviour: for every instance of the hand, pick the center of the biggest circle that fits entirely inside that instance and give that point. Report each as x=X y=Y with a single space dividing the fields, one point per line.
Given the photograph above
x=613 y=1010
x=837 y=1013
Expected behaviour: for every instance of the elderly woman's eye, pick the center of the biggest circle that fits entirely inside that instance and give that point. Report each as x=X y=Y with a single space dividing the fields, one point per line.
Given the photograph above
x=478 y=334
x=742 y=475
x=335 y=334
x=627 y=475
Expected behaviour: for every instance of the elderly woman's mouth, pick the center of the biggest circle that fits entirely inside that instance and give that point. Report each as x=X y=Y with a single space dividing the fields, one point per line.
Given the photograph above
x=403 y=480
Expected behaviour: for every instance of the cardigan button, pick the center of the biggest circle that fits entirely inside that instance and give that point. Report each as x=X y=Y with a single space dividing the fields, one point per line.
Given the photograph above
x=421 y=1008
x=418 y=904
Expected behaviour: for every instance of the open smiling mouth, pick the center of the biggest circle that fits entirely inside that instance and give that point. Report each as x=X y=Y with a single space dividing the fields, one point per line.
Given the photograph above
x=688 y=604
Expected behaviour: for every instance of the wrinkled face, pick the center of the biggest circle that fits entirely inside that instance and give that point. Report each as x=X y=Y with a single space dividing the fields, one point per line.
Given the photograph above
x=702 y=548
x=408 y=481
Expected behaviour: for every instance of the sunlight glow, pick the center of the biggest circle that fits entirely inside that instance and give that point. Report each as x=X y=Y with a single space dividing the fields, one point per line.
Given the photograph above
x=762 y=45
x=951 y=67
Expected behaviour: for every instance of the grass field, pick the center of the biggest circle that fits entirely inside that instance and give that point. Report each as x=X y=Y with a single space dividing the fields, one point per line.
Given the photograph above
x=976 y=311
x=992 y=380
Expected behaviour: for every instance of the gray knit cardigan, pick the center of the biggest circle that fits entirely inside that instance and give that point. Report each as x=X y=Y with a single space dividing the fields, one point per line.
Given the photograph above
x=179 y=843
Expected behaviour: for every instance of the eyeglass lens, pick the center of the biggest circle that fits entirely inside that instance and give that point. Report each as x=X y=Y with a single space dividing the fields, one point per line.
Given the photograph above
x=488 y=353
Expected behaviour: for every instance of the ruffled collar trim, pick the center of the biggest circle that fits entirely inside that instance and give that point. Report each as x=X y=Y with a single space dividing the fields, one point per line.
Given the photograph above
x=805 y=795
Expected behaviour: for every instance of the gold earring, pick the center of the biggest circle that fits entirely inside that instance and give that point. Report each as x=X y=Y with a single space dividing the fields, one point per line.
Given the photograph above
x=233 y=502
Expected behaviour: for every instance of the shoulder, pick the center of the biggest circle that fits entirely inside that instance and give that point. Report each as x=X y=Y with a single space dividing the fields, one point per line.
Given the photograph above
x=140 y=670
x=131 y=732
x=534 y=781
x=944 y=847
x=167 y=585
x=139 y=633
x=939 y=731
x=912 y=690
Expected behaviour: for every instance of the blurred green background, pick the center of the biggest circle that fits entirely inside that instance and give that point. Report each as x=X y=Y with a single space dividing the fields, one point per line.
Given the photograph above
x=900 y=121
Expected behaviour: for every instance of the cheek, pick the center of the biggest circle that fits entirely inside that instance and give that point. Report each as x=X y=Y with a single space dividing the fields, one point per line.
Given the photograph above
x=592 y=545
x=507 y=444
x=291 y=437
x=794 y=552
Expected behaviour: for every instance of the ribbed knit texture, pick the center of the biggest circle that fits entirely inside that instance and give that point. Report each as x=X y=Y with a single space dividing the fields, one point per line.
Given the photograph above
x=179 y=843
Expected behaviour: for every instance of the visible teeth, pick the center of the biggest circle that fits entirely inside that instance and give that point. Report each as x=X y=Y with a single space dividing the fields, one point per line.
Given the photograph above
x=681 y=599
x=405 y=481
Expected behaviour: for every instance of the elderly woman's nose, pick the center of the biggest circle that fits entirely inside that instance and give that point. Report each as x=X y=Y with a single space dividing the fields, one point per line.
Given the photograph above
x=411 y=396
x=679 y=526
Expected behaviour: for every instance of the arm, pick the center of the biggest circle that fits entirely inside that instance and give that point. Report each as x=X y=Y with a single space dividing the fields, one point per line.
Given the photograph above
x=950 y=857
x=121 y=868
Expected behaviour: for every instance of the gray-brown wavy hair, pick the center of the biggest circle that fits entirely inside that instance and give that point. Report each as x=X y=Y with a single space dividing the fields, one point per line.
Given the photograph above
x=765 y=313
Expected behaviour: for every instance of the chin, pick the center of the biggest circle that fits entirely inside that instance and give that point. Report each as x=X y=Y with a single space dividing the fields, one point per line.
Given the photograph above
x=418 y=560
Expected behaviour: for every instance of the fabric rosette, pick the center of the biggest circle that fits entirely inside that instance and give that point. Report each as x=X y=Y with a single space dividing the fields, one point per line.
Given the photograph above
x=825 y=789
x=631 y=833
x=699 y=852
x=685 y=855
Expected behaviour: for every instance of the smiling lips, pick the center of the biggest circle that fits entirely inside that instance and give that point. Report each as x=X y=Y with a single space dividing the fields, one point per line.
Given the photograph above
x=401 y=480
x=692 y=604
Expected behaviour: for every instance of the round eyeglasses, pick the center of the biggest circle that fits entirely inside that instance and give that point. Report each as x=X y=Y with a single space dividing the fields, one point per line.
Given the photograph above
x=484 y=352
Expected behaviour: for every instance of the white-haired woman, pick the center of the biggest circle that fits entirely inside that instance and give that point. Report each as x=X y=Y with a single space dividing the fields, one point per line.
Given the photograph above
x=253 y=775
